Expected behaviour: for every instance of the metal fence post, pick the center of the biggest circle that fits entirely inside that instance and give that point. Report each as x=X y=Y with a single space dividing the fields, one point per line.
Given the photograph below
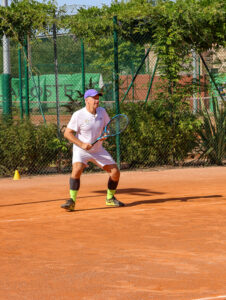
x=152 y=78
x=56 y=78
x=20 y=83
x=194 y=80
x=135 y=75
x=116 y=84
x=83 y=71
x=211 y=76
x=6 y=78
x=26 y=75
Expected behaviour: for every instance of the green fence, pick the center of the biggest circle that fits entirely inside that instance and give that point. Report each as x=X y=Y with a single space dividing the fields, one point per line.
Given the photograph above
x=163 y=127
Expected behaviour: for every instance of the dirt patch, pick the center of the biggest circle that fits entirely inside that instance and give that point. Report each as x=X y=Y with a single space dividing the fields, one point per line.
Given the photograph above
x=169 y=242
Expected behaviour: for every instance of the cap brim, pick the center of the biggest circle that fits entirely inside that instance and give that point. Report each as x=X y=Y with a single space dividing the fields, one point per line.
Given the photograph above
x=98 y=93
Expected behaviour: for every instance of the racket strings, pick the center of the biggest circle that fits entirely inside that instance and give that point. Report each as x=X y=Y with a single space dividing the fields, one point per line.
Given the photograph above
x=117 y=125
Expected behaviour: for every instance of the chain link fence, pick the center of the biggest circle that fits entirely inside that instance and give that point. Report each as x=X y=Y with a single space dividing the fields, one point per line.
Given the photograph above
x=48 y=80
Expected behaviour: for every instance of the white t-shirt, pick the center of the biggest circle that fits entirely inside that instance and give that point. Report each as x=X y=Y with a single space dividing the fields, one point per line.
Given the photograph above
x=88 y=127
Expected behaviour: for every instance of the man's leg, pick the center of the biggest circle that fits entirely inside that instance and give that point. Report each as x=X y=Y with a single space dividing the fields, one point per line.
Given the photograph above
x=114 y=173
x=77 y=169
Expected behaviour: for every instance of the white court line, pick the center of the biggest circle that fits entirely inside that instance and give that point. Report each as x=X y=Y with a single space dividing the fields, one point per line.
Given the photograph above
x=16 y=220
x=212 y=298
x=30 y=219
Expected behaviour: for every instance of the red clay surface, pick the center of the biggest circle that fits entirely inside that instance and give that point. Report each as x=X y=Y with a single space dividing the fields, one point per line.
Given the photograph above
x=169 y=242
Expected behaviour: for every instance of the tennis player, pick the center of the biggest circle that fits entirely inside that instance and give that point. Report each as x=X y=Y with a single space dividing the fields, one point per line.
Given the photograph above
x=85 y=126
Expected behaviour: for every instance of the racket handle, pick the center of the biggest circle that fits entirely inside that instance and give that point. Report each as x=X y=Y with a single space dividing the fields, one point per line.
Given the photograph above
x=95 y=142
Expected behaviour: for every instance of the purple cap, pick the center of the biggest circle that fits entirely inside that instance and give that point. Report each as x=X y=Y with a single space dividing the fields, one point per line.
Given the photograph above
x=92 y=93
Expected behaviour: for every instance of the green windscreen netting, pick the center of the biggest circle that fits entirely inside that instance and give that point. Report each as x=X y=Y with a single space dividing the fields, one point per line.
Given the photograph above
x=43 y=88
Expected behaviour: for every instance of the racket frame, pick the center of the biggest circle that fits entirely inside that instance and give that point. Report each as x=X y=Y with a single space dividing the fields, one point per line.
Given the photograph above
x=104 y=133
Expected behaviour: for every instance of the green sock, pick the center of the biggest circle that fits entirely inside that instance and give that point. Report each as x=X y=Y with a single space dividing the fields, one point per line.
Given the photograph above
x=110 y=194
x=73 y=195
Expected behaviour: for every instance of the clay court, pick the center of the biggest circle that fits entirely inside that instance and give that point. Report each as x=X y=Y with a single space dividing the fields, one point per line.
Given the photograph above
x=169 y=242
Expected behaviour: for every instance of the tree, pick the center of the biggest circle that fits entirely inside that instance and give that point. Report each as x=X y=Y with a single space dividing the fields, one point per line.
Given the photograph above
x=102 y=55
x=174 y=28
x=26 y=18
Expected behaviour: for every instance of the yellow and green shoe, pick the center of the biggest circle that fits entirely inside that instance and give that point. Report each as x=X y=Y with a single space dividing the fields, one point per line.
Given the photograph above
x=69 y=205
x=114 y=202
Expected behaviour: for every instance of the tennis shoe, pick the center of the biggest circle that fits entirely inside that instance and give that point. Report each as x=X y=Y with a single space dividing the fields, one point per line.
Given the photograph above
x=114 y=202
x=69 y=205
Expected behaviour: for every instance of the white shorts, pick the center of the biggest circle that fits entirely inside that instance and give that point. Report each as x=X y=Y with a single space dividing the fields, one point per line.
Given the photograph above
x=100 y=158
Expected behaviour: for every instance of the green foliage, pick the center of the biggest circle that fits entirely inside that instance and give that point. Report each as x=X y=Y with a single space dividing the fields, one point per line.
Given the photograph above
x=77 y=103
x=163 y=132
x=174 y=28
x=129 y=56
x=27 y=147
x=212 y=133
x=73 y=104
x=26 y=17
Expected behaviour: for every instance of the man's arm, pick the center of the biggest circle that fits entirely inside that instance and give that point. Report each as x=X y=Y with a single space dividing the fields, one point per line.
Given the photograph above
x=69 y=135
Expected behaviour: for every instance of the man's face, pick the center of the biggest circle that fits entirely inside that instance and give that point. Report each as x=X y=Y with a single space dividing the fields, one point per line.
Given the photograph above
x=92 y=102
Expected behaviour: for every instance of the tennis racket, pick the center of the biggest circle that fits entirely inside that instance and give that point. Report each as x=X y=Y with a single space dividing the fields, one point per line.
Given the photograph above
x=115 y=126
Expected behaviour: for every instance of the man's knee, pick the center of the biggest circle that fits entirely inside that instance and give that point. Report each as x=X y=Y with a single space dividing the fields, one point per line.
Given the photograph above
x=77 y=169
x=115 y=173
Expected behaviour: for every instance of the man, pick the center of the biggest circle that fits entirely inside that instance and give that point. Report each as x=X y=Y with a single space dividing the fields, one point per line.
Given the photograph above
x=88 y=124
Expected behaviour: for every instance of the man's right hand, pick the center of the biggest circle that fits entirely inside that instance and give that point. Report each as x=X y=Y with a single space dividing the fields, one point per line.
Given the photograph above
x=86 y=146
x=70 y=135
